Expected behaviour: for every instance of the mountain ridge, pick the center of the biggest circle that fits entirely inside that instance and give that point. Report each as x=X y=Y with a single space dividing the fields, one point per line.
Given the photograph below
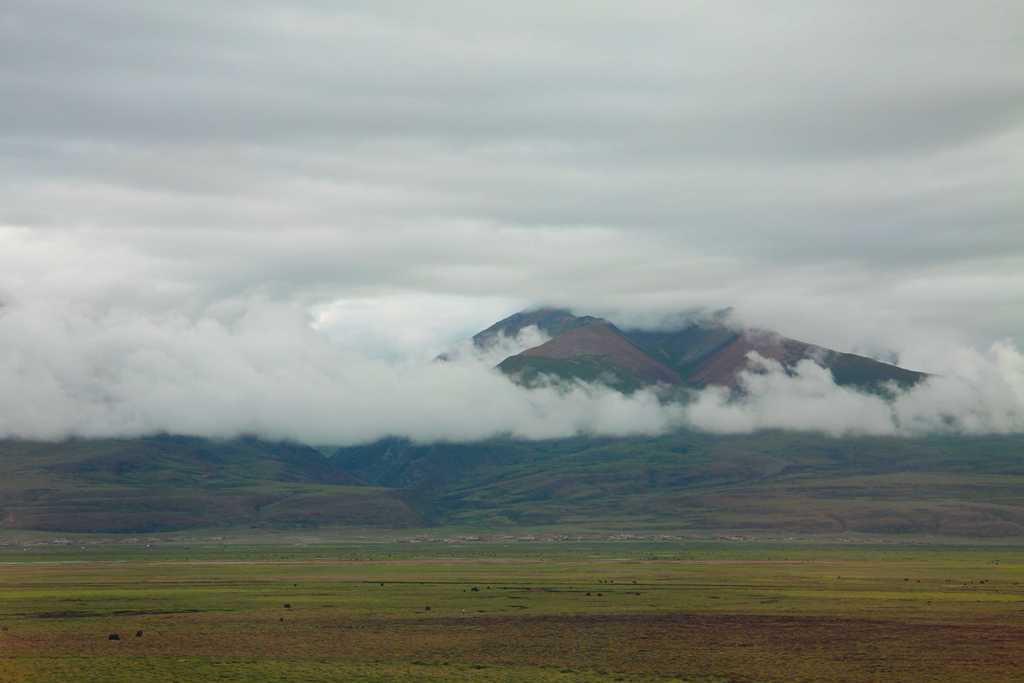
x=697 y=353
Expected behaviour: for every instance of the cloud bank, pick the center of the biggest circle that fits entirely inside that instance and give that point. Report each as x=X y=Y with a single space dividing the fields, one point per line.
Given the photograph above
x=257 y=367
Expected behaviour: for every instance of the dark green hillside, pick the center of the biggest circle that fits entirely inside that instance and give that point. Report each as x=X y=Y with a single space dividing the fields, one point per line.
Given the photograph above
x=853 y=370
x=686 y=348
x=164 y=483
x=772 y=482
x=777 y=482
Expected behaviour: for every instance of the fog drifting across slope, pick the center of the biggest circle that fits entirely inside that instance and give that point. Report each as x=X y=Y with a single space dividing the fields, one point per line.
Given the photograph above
x=257 y=366
x=983 y=392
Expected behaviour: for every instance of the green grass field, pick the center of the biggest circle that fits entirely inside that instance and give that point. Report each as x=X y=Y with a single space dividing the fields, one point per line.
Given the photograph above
x=556 y=611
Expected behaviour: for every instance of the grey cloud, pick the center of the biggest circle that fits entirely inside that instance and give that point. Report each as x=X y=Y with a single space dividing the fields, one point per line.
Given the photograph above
x=845 y=173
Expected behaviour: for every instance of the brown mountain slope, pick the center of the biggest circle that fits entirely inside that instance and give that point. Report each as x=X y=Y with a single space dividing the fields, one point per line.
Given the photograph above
x=602 y=340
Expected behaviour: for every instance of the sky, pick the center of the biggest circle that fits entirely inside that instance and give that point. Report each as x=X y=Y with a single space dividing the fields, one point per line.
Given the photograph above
x=214 y=215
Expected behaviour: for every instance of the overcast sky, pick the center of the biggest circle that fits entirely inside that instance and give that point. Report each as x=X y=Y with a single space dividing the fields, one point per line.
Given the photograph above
x=401 y=174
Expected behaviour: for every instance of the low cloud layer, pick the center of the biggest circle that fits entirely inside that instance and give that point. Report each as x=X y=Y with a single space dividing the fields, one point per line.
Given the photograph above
x=256 y=367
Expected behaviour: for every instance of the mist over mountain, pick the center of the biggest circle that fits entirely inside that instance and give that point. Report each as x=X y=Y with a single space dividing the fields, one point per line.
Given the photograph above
x=262 y=367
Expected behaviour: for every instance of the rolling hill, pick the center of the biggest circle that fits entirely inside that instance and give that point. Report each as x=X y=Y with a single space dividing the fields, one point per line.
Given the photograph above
x=763 y=483
x=164 y=483
x=775 y=482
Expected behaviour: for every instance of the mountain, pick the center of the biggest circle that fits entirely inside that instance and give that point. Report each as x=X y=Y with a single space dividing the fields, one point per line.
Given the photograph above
x=684 y=482
x=695 y=353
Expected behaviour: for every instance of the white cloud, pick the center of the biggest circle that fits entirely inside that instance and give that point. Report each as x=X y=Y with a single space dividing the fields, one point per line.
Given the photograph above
x=807 y=399
x=408 y=325
x=256 y=367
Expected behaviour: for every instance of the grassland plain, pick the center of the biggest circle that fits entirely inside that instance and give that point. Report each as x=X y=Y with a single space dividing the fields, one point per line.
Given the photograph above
x=516 y=611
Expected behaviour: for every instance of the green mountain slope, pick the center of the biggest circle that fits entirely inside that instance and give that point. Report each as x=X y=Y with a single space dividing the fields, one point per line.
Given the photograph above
x=771 y=482
x=777 y=482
